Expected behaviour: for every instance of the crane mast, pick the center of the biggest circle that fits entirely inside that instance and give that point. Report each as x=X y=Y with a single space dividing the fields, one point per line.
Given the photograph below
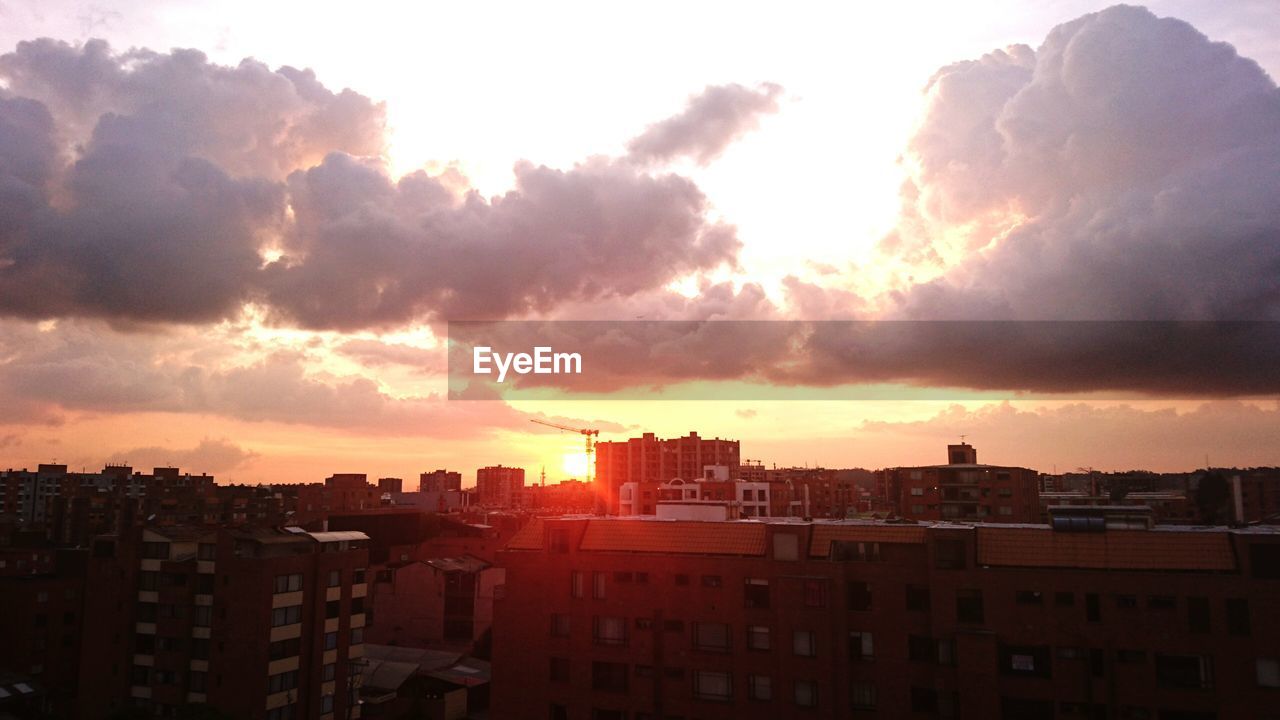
x=588 y=433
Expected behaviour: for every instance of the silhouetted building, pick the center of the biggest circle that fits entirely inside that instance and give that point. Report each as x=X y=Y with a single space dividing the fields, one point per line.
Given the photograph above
x=650 y=459
x=963 y=490
x=621 y=618
x=498 y=486
x=439 y=481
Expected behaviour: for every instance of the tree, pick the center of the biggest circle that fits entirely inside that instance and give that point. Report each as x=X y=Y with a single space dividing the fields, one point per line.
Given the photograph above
x=1211 y=497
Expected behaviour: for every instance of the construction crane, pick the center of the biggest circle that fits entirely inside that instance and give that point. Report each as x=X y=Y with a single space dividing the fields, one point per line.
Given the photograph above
x=588 y=433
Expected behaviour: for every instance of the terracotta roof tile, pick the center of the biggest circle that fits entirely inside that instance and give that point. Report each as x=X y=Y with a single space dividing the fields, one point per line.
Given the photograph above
x=528 y=537
x=824 y=534
x=1112 y=550
x=693 y=538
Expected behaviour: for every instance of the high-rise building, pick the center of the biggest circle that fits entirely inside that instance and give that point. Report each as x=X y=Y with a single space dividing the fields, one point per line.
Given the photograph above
x=650 y=459
x=261 y=623
x=499 y=486
x=622 y=618
x=439 y=481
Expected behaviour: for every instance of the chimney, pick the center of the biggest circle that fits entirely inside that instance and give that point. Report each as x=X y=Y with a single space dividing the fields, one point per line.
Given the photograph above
x=1238 y=499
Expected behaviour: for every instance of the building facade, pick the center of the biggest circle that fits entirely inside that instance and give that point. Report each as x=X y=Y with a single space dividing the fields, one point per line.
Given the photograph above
x=608 y=619
x=650 y=459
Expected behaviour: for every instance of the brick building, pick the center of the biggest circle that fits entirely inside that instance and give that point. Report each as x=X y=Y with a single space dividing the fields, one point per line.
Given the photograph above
x=605 y=619
x=434 y=602
x=439 y=481
x=499 y=486
x=963 y=490
x=651 y=459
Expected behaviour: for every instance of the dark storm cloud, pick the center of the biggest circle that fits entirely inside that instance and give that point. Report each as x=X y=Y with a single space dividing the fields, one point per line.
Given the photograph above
x=709 y=124
x=146 y=187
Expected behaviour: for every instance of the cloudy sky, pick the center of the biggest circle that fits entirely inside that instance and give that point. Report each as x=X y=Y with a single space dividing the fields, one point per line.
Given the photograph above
x=231 y=234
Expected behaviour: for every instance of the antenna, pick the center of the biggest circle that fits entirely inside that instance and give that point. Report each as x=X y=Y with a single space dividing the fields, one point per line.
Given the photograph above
x=543 y=481
x=962 y=437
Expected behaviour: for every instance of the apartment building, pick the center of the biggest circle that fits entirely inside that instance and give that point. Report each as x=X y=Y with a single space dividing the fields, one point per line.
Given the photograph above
x=650 y=459
x=613 y=619
x=964 y=490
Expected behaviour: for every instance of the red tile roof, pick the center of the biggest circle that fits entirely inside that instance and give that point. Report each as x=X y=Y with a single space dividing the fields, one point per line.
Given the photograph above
x=823 y=535
x=1112 y=550
x=528 y=537
x=692 y=538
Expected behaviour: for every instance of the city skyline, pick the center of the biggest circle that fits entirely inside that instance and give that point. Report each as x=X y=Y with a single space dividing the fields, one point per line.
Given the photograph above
x=238 y=256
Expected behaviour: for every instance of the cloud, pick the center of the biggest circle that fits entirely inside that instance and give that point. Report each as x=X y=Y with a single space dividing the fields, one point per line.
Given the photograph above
x=1115 y=437
x=145 y=187
x=1123 y=170
x=376 y=354
x=209 y=456
x=709 y=123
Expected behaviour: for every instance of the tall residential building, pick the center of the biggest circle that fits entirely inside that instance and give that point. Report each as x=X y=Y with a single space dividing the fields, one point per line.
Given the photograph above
x=499 y=486
x=613 y=619
x=964 y=490
x=650 y=459
x=439 y=481
x=264 y=624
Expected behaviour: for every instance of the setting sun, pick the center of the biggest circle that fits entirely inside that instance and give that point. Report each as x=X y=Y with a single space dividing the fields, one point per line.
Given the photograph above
x=575 y=465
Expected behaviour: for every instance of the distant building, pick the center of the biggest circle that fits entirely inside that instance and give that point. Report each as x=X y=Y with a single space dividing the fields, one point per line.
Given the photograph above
x=498 y=486
x=963 y=490
x=434 y=602
x=439 y=481
x=628 y=618
x=650 y=459
x=390 y=485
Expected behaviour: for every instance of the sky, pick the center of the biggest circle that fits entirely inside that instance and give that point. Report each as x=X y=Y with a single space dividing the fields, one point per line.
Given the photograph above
x=231 y=233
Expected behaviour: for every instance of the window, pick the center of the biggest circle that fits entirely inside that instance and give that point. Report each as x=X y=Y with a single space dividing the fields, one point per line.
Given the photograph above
x=644 y=623
x=155 y=550
x=559 y=625
x=815 y=593
x=335 y=578
x=148 y=580
x=806 y=693
x=597 y=585
x=712 y=581
x=1029 y=597
x=1127 y=602
x=1268 y=670
x=609 y=630
x=203 y=616
x=200 y=648
x=623 y=576
x=1198 y=614
x=682 y=579
x=288 y=583
x=206 y=551
x=1161 y=602
x=282 y=682
x=760 y=687
x=330 y=640
x=333 y=609
x=804 y=643
x=711 y=636
x=1131 y=657
x=1092 y=607
x=558 y=712
x=863 y=696
x=708 y=685
x=859 y=595
x=756 y=593
x=329 y=672
x=204 y=584
x=917 y=491
x=197 y=681
x=642 y=578
x=286 y=712
x=283 y=648
x=1184 y=671
x=917 y=598
x=147 y=612
x=609 y=677
x=758 y=637
x=559 y=669
x=285 y=615
x=861 y=646
x=357 y=576
x=1026 y=660
x=969 y=606
x=1064 y=598
x=559 y=541
x=1238 y=616
x=1068 y=652
x=326 y=704
x=576 y=584
x=357 y=635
